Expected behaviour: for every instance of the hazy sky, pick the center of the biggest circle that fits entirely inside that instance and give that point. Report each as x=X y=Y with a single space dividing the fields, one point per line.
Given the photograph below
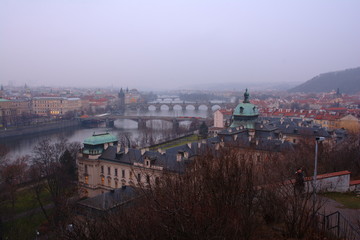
x=174 y=43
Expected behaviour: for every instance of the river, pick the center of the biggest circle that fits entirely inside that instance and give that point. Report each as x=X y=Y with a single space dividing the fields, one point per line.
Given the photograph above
x=24 y=145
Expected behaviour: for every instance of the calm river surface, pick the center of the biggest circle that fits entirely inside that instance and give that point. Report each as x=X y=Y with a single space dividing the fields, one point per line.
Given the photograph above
x=24 y=146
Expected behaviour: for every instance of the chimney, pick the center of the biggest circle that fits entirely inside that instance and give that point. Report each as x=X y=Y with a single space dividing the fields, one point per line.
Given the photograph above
x=235 y=137
x=199 y=144
x=257 y=142
x=118 y=147
x=189 y=144
x=217 y=146
x=106 y=145
x=143 y=150
x=126 y=150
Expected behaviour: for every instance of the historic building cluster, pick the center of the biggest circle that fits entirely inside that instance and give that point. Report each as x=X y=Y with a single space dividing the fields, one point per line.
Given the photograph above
x=104 y=164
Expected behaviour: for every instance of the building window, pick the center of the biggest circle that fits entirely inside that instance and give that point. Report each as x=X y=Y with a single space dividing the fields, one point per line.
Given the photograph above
x=157 y=181
x=108 y=170
x=116 y=184
x=139 y=177
x=86 y=179
x=86 y=169
x=147 y=163
x=102 y=169
x=102 y=180
x=147 y=178
x=109 y=181
x=123 y=173
x=130 y=174
x=115 y=172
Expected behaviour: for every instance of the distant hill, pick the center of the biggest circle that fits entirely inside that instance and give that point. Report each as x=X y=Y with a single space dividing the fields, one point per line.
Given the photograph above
x=348 y=81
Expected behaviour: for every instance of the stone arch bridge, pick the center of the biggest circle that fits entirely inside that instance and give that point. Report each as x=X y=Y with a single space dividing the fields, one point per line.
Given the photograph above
x=141 y=120
x=182 y=105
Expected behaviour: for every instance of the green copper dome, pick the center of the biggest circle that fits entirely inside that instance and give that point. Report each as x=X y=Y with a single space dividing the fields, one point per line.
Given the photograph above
x=103 y=138
x=246 y=108
x=245 y=113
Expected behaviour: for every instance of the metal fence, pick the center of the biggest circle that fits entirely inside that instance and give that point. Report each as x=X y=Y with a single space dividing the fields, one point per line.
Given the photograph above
x=336 y=225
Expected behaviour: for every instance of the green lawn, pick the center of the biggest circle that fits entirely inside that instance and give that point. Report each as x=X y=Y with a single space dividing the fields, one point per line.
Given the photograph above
x=23 y=228
x=26 y=200
x=349 y=200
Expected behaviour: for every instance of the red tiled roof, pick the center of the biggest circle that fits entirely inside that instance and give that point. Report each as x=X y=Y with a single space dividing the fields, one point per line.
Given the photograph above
x=329 y=175
x=225 y=111
x=336 y=109
x=354 y=182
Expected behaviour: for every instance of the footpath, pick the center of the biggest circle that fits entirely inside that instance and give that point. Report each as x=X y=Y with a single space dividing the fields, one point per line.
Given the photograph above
x=352 y=215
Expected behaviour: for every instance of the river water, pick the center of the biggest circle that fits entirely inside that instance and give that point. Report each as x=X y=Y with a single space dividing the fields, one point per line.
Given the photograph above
x=24 y=146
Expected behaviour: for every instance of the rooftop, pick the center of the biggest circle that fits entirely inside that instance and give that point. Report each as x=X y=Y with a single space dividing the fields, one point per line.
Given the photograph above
x=102 y=138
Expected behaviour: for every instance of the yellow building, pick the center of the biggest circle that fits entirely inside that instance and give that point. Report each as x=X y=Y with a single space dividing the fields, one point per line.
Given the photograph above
x=331 y=122
x=12 y=110
x=55 y=106
x=350 y=123
x=103 y=165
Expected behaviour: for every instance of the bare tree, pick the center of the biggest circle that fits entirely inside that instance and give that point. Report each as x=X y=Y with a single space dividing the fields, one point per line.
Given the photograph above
x=221 y=194
x=54 y=170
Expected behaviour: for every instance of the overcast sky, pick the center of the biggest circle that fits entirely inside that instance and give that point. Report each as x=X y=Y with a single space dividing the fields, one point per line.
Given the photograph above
x=174 y=43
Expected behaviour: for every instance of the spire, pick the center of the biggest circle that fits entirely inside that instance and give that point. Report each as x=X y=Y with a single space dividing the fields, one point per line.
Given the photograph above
x=246 y=97
x=121 y=93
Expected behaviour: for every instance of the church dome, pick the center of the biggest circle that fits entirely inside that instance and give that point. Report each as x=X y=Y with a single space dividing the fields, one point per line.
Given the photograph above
x=246 y=108
x=245 y=113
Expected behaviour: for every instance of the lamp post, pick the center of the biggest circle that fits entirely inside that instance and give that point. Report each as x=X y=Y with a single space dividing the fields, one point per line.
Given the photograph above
x=317 y=140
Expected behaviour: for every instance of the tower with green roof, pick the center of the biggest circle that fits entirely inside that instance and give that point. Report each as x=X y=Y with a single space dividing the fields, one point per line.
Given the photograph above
x=97 y=143
x=245 y=114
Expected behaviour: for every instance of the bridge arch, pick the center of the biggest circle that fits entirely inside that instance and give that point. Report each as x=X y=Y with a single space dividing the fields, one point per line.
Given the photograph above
x=204 y=106
x=215 y=107
x=190 y=106
x=166 y=105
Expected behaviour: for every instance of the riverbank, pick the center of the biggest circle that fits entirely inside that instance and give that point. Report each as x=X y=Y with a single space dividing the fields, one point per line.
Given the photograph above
x=37 y=129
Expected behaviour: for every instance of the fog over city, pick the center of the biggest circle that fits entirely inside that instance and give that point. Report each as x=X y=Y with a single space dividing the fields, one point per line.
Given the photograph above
x=174 y=44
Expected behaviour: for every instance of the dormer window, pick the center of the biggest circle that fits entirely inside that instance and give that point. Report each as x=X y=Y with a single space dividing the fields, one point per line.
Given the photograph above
x=147 y=162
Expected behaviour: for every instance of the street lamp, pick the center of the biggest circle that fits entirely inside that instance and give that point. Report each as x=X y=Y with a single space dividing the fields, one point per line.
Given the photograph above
x=317 y=140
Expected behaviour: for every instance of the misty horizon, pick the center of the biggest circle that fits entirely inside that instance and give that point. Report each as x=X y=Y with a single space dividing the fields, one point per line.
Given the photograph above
x=172 y=44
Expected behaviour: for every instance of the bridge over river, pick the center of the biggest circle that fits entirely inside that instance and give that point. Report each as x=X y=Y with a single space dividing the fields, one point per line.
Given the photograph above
x=182 y=105
x=109 y=120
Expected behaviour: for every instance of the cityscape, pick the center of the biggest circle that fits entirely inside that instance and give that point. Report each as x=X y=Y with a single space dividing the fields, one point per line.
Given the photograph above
x=181 y=120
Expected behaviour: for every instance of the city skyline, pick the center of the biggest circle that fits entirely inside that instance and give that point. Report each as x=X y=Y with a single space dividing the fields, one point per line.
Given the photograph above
x=167 y=45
